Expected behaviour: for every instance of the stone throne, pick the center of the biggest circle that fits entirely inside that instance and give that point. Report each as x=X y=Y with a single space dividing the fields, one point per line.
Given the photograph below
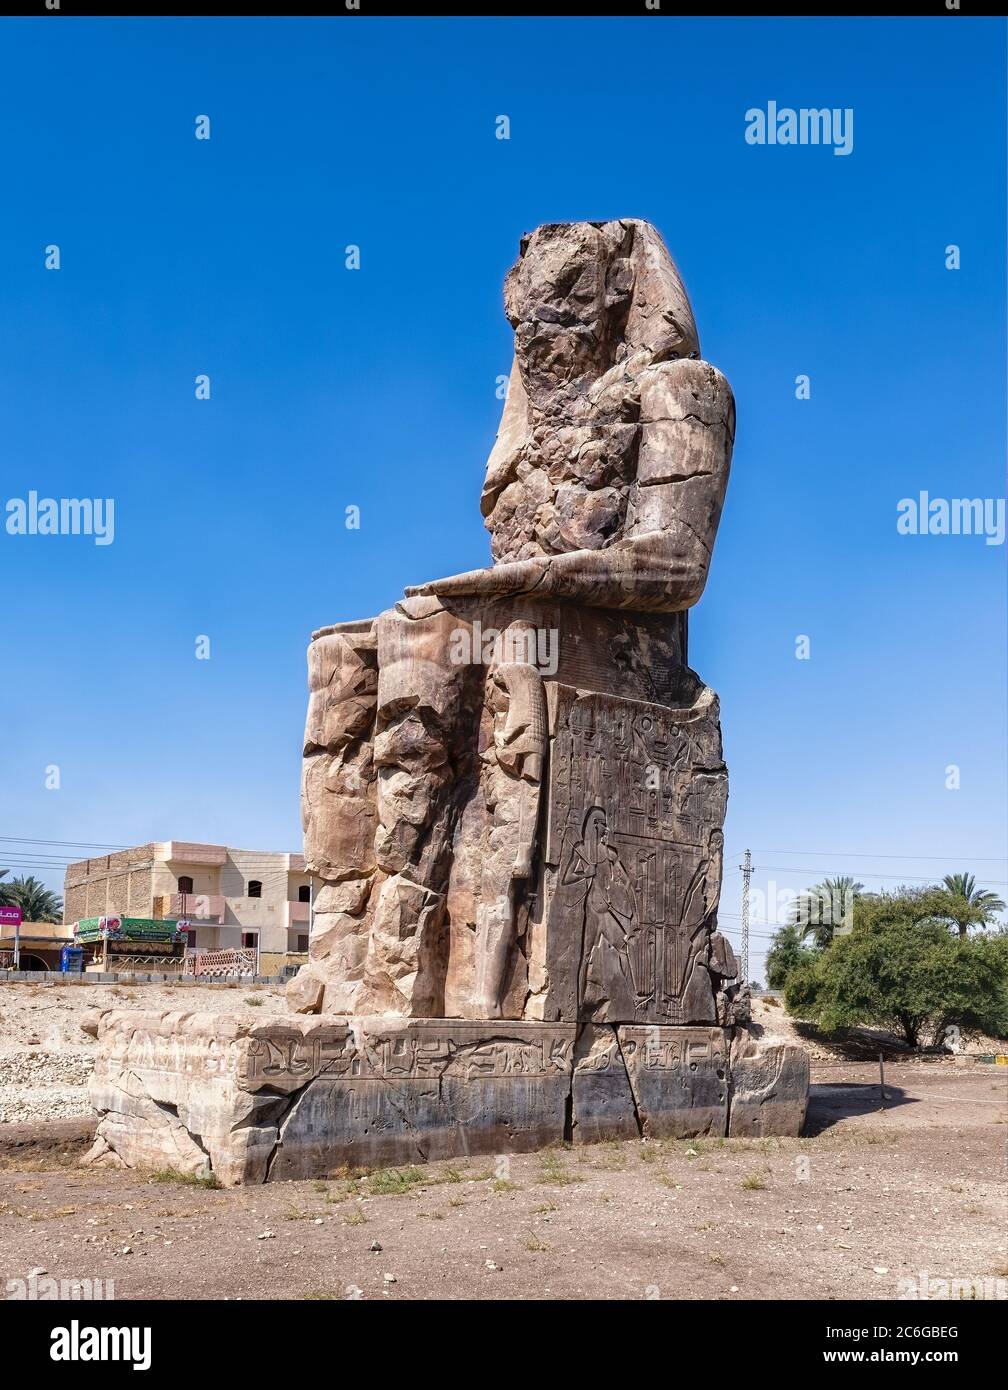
x=513 y=797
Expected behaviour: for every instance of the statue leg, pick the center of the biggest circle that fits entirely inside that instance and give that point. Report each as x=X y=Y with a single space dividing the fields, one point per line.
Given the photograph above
x=495 y=923
x=339 y=815
x=425 y=733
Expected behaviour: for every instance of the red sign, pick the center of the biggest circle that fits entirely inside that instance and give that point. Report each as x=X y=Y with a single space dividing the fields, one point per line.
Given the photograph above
x=10 y=916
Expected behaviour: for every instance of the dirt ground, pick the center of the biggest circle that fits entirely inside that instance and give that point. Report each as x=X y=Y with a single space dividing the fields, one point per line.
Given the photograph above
x=870 y=1196
x=46 y=1058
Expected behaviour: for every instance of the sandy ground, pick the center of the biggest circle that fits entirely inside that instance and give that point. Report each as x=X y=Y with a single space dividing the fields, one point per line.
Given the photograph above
x=871 y=1196
x=45 y=1057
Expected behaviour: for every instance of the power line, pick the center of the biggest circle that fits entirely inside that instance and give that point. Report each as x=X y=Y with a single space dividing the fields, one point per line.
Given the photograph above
x=868 y=873
x=31 y=852
x=753 y=935
x=28 y=858
x=70 y=844
x=263 y=866
x=245 y=857
x=864 y=854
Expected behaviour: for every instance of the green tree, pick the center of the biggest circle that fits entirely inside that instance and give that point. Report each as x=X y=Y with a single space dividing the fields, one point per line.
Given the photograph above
x=36 y=902
x=968 y=905
x=787 y=951
x=901 y=971
x=820 y=910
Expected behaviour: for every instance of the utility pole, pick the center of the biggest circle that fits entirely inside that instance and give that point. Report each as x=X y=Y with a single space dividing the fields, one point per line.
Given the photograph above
x=746 y=874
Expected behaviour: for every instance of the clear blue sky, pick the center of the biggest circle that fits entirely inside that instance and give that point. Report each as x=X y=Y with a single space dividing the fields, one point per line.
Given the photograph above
x=377 y=388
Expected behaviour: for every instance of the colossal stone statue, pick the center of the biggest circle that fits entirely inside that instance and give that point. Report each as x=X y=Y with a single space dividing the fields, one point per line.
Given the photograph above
x=514 y=936
x=602 y=497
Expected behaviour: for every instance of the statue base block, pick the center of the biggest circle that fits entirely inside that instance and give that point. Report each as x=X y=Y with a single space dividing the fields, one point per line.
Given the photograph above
x=252 y=1101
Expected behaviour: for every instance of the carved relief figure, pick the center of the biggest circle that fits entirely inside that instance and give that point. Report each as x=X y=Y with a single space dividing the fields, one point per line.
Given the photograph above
x=731 y=994
x=699 y=984
x=609 y=922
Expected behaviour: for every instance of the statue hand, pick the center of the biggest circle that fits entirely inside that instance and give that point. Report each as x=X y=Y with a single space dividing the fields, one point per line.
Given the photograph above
x=514 y=577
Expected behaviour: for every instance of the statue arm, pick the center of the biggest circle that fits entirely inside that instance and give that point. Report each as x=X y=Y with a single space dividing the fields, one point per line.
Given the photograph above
x=660 y=571
x=662 y=560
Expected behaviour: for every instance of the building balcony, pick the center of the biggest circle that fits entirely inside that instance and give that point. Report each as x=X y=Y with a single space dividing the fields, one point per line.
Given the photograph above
x=197 y=907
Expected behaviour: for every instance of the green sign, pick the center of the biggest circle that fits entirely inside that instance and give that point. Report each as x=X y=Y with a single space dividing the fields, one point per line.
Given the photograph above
x=127 y=929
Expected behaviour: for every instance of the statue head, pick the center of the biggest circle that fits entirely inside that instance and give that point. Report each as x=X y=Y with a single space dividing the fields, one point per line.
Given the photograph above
x=592 y=304
x=594 y=833
x=583 y=296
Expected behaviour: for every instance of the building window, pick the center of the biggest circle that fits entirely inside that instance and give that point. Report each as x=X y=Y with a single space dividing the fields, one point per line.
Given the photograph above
x=185 y=884
x=254 y=888
x=304 y=893
x=303 y=942
x=249 y=940
x=191 y=939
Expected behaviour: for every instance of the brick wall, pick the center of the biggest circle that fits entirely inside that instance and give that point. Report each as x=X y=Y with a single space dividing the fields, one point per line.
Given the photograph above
x=113 y=884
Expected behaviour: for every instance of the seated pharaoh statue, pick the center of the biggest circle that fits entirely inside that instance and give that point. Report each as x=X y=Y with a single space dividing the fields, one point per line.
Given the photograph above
x=513 y=797
x=513 y=786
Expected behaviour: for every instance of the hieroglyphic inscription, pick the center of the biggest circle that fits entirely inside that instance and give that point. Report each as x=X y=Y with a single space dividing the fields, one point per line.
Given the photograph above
x=673 y=1049
x=286 y=1061
x=637 y=798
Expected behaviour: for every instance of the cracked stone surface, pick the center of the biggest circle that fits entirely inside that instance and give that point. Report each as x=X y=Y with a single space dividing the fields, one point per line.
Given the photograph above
x=606 y=482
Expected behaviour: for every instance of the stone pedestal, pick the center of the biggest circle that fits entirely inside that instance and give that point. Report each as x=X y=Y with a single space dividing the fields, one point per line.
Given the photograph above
x=255 y=1101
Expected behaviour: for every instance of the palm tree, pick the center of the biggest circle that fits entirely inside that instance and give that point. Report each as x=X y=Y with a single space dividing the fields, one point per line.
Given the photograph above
x=36 y=902
x=968 y=905
x=821 y=910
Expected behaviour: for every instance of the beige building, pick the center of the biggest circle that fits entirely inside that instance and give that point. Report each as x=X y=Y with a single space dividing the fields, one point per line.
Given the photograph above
x=230 y=897
x=39 y=944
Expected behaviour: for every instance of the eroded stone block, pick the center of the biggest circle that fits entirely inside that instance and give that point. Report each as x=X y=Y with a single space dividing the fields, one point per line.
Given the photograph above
x=769 y=1087
x=603 y=1105
x=429 y=1089
x=679 y=1078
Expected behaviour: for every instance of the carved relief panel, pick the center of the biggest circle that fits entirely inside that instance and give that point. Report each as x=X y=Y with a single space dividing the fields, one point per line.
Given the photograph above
x=633 y=855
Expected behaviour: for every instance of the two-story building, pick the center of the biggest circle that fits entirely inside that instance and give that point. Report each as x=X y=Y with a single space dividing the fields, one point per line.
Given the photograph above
x=230 y=898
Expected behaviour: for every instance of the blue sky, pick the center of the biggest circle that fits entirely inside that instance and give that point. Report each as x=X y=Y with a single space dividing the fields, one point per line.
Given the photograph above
x=377 y=388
